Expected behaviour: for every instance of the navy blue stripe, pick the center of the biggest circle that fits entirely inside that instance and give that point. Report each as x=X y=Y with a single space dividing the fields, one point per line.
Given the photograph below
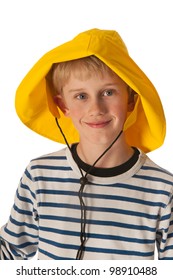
x=21 y=246
x=51 y=158
x=169 y=236
x=154 y=179
x=166 y=217
x=60 y=245
x=14 y=252
x=98 y=209
x=156 y=169
x=97 y=222
x=124 y=198
x=99 y=236
x=25 y=187
x=141 y=189
x=23 y=198
x=56 y=179
x=23 y=224
x=59 y=231
x=102 y=196
x=21 y=211
x=31 y=255
x=52 y=256
x=50 y=167
x=135 y=188
x=28 y=175
x=25 y=244
x=166 y=258
x=120 y=252
x=19 y=234
x=123 y=186
x=98 y=250
x=166 y=248
x=117 y=185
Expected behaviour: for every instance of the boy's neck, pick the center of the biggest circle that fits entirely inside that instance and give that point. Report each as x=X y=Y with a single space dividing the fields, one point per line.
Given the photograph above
x=119 y=153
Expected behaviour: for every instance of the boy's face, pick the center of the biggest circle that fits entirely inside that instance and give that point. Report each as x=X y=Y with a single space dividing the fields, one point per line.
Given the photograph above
x=97 y=105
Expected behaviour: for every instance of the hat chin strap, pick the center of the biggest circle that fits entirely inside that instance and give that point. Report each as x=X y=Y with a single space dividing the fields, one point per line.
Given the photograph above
x=83 y=181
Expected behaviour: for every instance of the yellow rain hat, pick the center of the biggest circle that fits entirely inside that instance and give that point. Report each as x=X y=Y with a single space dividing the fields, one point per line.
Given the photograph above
x=145 y=126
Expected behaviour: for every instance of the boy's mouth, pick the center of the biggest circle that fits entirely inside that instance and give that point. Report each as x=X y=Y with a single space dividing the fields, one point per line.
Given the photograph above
x=100 y=124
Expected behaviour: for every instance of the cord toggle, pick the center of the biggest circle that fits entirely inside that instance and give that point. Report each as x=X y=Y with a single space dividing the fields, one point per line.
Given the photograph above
x=83 y=181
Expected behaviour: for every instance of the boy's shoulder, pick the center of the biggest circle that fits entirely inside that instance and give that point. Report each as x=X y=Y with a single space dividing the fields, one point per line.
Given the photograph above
x=57 y=155
x=154 y=168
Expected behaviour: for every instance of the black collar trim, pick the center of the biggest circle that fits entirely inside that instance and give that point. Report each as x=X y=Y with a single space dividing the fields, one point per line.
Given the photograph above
x=105 y=172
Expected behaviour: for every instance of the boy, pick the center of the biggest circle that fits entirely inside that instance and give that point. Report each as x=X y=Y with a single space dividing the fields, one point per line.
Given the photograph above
x=101 y=197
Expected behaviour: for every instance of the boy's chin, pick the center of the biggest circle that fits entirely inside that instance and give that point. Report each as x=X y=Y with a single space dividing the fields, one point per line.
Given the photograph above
x=101 y=141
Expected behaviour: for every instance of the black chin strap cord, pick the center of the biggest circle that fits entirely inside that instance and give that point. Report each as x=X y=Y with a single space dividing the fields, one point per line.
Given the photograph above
x=83 y=182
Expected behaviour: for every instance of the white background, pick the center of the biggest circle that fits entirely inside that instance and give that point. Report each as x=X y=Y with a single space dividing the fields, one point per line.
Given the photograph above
x=29 y=28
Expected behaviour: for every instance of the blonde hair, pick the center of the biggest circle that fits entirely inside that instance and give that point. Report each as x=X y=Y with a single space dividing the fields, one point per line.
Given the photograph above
x=82 y=68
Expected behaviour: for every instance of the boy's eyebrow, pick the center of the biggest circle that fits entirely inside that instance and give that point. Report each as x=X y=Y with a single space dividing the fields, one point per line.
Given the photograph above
x=77 y=89
x=105 y=85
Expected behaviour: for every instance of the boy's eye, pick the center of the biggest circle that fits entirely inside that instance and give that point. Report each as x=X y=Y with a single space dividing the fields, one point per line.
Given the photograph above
x=108 y=92
x=81 y=96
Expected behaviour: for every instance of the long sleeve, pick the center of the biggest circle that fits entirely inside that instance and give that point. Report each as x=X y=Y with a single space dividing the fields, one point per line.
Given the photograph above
x=19 y=237
x=165 y=232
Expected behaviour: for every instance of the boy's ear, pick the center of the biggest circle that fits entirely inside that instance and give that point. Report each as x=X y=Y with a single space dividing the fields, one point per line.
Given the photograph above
x=59 y=101
x=131 y=99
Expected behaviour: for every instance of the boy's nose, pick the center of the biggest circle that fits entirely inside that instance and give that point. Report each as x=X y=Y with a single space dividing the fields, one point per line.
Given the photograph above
x=97 y=108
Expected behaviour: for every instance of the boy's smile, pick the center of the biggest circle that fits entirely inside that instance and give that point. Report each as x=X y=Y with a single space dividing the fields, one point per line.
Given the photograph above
x=97 y=105
x=99 y=124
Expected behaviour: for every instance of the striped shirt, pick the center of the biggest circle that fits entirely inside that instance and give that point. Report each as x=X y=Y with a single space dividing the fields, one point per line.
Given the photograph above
x=127 y=213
